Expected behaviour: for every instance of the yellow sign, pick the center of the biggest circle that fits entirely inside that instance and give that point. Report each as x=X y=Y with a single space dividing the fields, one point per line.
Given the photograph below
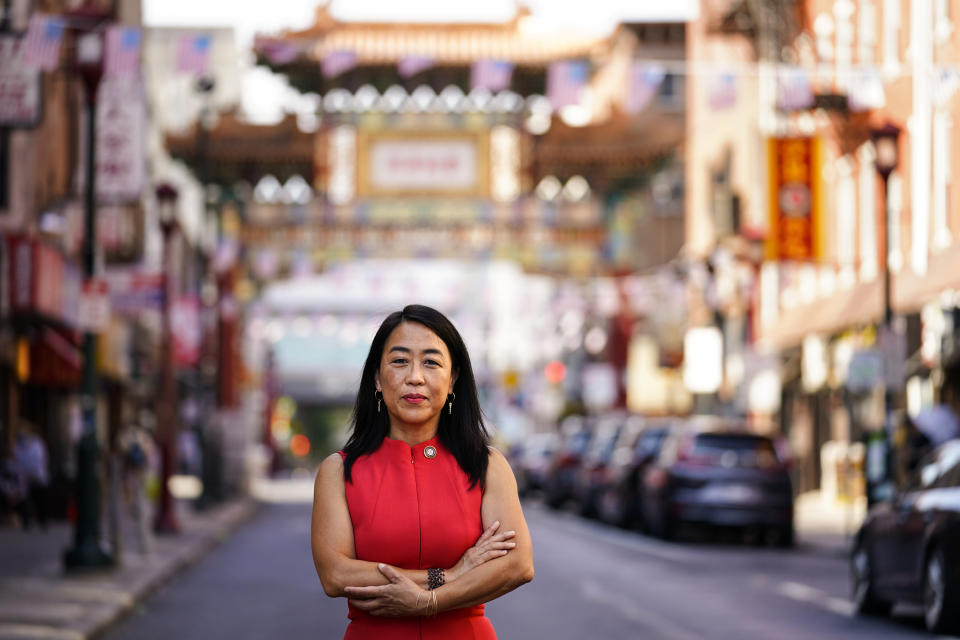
x=796 y=211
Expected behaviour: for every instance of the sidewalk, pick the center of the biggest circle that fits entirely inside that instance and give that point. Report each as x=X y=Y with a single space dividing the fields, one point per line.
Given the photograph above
x=38 y=601
x=826 y=525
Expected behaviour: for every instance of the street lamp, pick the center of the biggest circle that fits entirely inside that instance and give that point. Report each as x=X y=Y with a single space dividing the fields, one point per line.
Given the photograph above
x=879 y=476
x=87 y=552
x=167 y=414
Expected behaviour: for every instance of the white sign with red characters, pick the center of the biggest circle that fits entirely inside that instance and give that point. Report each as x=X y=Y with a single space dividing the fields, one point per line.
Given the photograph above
x=423 y=165
x=94 y=312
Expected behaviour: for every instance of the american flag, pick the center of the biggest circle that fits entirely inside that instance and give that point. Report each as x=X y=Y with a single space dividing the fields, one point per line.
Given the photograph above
x=123 y=52
x=493 y=75
x=410 y=65
x=564 y=81
x=337 y=62
x=42 y=45
x=193 y=53
x=793 y=89
x=645 y=80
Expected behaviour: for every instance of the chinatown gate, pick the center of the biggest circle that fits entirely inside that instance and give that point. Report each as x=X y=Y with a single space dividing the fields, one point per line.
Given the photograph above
x=405 y=163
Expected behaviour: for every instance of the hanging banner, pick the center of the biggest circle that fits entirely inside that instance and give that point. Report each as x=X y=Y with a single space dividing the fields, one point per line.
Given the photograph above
x=20 y=88
x=121 y=132
x=796 y=214
x=187 y=336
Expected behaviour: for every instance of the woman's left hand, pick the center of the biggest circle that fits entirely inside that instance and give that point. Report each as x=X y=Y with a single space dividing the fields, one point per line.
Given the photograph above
x=398 y=598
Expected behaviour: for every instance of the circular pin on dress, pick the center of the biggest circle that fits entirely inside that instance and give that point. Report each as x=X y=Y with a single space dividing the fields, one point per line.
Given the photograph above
x=430 y=451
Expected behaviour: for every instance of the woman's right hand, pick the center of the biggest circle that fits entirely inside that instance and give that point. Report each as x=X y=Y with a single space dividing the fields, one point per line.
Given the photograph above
x=488 y=546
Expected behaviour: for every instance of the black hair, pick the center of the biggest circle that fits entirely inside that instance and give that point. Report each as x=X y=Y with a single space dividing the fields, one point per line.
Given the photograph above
x=462 y=432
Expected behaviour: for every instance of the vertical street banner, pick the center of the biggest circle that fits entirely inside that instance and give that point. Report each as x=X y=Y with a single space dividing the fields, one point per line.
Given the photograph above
x=121 y=139
x=20 y=86
x=796 y=211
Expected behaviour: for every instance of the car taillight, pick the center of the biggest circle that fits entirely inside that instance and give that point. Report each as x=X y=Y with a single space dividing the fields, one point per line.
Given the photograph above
x=657 y=478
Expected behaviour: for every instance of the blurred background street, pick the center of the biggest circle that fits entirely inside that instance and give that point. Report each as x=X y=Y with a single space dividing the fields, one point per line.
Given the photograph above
x=705 y=255
x=592 y=581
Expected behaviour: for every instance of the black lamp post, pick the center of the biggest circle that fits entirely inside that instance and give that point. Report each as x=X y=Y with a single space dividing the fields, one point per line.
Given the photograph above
x=880 y=477
x=87 y=552
x=167 y=410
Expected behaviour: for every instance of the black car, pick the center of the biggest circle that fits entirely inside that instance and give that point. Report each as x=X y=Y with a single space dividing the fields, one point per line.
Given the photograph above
x=621 y=497
x=719 y=475
x=558 y=481
x=909 y=549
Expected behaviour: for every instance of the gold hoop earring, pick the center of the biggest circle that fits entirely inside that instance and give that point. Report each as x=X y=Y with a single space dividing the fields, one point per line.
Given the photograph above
x=450 y=398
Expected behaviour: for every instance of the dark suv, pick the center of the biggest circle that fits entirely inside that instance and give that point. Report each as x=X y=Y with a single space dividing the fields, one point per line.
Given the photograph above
x=909 y=549
x=719 y=475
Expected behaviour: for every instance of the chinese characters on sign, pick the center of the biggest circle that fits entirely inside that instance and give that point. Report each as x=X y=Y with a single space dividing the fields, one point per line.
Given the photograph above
x=416 y=165
x=794 y=165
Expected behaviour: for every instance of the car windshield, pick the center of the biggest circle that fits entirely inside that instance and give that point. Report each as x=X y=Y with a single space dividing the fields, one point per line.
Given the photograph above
x=742 y=450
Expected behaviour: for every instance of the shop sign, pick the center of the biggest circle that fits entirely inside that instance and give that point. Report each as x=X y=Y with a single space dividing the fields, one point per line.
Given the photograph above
x=187 y=336
x=794 y=168
x=865 y=371
x=133 y=292
x=121 y=139
x=94 y=312
x=21 y=91
x=41 y=280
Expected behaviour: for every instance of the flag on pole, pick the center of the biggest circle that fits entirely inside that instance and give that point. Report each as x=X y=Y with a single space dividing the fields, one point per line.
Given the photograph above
x=493 y=75
x=337 y=62
x=122 y=57
x=564 y=81
x=411 y=65
x=278 y=52
x=794 y=92
x=722 y=90
x=193 y=53
x=645 y=81
x=42 y=47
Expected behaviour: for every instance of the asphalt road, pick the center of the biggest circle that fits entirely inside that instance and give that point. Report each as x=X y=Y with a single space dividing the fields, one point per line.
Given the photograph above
x=591 y=581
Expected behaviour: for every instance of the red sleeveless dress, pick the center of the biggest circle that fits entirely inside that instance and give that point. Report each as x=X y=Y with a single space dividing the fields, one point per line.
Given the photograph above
x=414 y=512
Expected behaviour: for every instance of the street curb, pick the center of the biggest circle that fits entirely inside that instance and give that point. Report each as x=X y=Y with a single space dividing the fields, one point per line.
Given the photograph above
x=231 y=517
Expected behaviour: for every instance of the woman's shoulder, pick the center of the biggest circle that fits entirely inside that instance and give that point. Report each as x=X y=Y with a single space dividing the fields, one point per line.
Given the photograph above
x=331 y=469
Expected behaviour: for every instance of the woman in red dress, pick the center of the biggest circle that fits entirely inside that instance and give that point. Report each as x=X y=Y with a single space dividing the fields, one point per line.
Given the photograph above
x=417 y=521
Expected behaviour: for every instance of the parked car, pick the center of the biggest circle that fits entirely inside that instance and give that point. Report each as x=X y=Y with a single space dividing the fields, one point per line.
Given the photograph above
x=575 y=437
x=530 y=460
x=591 y=474
x=620 y=500
x=909 y=549
x=718 y=474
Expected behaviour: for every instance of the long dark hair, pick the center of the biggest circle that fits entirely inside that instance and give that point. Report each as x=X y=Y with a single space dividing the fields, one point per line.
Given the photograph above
x=463 y=432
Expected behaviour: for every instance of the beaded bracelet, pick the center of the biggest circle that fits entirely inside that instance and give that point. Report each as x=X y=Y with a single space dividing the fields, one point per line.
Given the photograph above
x=435 y=578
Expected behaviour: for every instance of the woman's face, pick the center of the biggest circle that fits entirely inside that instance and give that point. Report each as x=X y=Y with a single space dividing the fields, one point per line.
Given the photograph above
x=415 y=376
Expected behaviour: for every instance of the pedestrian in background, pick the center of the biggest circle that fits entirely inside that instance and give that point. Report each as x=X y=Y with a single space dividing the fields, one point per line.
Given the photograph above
x=13 y=492
x=136 y=444
x=417 y=521
x=941 y=422
x=30 y=452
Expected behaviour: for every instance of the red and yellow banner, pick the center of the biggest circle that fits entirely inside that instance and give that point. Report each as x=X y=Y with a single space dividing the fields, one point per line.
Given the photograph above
x=796 y=212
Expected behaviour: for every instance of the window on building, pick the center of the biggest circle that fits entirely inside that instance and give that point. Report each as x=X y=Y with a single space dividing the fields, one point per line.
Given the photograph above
x=670 y=94
x=843 y=11
x=846 y=221
x=942 y=25
x=868 y=211
x=942 y=127
x=894 y=210
x=891 y=36
x=4 y=168
x=866 y=33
